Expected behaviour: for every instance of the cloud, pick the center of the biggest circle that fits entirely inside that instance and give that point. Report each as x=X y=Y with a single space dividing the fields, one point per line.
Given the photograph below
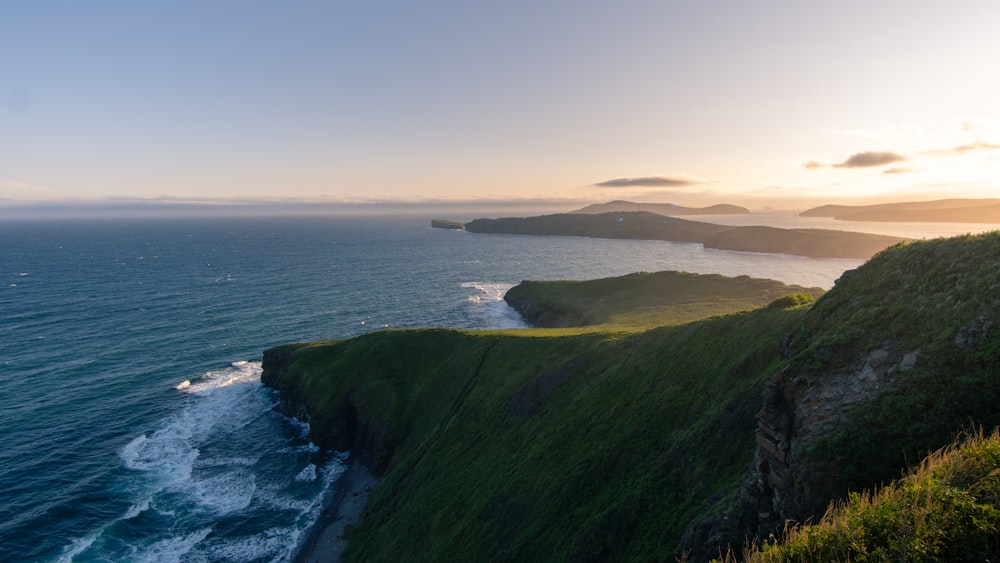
x=897 y=170
x=962 y=149
x=870 y=158
x=648 y=182
x=812 y=165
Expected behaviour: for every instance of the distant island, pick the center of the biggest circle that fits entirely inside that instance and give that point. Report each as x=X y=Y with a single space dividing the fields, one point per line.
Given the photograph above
x=444 y=224
x=643 y=225
x=939 y=211
x=669 y=209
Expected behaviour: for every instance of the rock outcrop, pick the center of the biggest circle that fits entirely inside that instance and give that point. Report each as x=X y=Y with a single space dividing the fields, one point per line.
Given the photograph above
x=800 y=406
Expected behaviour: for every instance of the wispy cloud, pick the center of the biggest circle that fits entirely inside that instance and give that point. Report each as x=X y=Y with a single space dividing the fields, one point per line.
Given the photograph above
x=869 y=159
x=964 y=149
x=649 y=182
x=897 y=170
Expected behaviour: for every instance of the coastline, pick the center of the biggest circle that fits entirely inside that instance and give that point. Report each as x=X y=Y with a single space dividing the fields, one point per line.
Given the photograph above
x=325 y=542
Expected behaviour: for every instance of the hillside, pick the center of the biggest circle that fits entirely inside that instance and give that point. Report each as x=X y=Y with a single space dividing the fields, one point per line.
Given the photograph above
x=645 y=300
x=610 y=445
x=939 y=211
x=946 y=509
x=886 y=367
x=668 y=209
x=815 y=243
x=526 y=446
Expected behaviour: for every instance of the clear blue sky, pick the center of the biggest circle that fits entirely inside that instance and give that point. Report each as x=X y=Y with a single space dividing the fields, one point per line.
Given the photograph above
x=691 y=102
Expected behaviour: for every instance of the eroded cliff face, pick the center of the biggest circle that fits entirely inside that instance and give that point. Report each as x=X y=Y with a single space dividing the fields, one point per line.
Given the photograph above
x=784 y=483
x=799 y=406
x=345 y=429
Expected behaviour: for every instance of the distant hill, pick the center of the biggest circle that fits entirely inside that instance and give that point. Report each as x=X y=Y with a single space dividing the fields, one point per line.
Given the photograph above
x=668 y=209
x=815 y=243
x=940 y=211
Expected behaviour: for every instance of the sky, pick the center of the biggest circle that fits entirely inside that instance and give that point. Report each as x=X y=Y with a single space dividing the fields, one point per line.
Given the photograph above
x=767 y=103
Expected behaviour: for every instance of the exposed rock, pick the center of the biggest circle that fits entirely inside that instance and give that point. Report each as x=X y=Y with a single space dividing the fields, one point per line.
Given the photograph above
x=909 y=360
x=799 y=407
x=981 y=327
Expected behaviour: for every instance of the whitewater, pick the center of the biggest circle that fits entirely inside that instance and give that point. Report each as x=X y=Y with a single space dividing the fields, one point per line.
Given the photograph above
x=133 y=420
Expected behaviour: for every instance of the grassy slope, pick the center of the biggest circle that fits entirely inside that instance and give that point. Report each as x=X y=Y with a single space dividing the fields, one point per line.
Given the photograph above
x=947 y=509
x=644 y=300
x=927 y=297
x=518 y=447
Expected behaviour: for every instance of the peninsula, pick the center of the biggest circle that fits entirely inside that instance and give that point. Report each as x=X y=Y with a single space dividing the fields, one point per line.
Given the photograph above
x=814 y=243
x=646 y=300
x=939 y=211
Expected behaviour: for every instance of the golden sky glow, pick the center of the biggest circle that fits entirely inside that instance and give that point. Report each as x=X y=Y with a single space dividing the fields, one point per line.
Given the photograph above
x=764 y=104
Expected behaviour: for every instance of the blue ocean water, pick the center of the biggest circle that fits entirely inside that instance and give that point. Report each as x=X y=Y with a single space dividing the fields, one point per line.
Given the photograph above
x=132 y=421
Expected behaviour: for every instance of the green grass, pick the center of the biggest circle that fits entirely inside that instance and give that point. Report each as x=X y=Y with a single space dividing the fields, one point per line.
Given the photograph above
x=607 y=441
x=514 y=446
x=947 y=509
x=645 y=300
x=939 y=298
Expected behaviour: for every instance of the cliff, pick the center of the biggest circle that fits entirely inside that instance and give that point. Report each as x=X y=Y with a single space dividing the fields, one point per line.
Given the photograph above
x=815 y=243
x=889 y=365
x=643 y=445
x=534 y=445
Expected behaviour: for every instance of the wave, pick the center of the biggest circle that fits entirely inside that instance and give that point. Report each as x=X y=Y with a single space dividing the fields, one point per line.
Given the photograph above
x=488 y=298
x=194 y=490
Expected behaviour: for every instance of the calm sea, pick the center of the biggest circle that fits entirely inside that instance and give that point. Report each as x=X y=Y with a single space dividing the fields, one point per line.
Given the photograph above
x=132 y=421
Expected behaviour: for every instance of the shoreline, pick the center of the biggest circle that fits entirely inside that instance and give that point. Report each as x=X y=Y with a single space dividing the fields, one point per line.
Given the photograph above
x=325 y=542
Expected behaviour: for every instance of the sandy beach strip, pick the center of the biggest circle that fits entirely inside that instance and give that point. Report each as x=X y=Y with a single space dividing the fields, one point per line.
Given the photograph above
x=326 y=540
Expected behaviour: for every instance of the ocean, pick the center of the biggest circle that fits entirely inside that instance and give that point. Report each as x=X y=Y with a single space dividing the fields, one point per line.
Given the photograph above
x=132 y=420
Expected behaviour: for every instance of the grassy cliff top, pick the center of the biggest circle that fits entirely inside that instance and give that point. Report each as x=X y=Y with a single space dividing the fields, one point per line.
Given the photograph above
x=505 y=446
x=645 y=300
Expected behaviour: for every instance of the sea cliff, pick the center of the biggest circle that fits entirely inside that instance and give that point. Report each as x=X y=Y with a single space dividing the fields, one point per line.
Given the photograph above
x=650 y=444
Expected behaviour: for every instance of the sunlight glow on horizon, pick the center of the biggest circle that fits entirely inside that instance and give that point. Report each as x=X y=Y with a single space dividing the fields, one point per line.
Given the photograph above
x=476 y=103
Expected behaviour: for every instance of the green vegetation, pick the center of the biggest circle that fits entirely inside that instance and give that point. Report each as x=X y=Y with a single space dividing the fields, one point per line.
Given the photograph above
x=646 y=300
x=948 y=509
x=938 y=300
x=510 y=446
